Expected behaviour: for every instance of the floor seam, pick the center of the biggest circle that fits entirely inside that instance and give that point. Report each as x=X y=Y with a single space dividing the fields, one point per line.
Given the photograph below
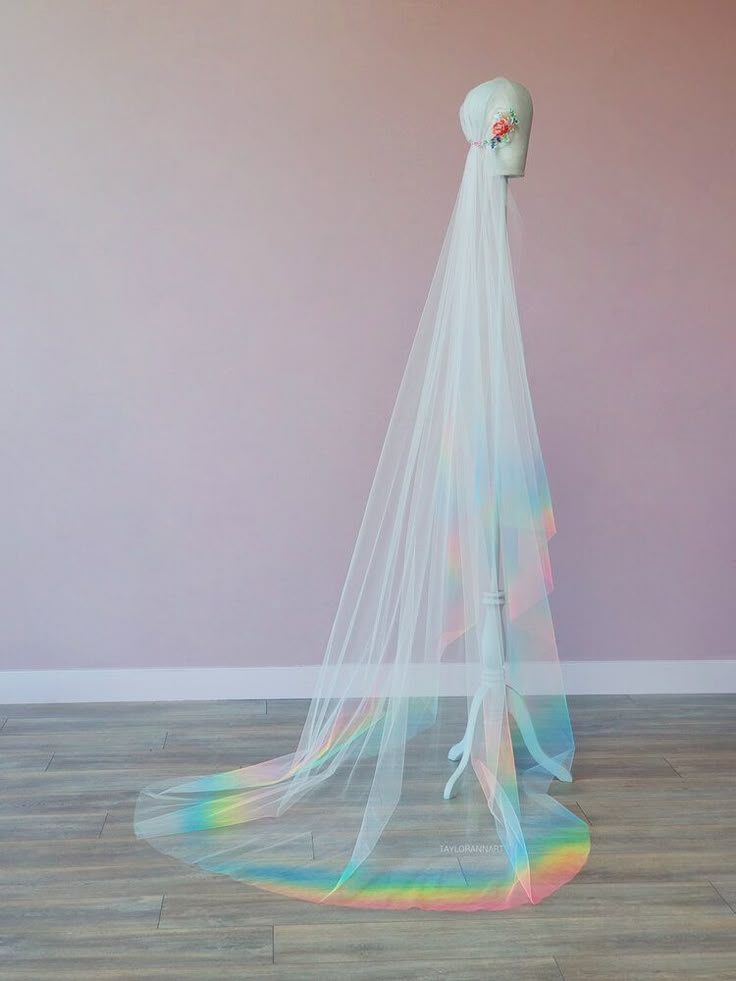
x=558 y=968
x=672 y=767
x=584 y=814
x=721 y=896
x=107 y=814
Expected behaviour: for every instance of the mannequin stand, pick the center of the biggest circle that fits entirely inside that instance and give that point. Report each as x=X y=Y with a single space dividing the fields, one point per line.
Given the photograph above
x=493 y=637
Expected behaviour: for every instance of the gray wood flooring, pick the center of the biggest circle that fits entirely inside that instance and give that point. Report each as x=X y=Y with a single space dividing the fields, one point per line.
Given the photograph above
x=81 y=899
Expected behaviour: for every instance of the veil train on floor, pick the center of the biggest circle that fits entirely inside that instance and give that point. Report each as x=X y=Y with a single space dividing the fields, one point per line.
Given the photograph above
x=444 y=614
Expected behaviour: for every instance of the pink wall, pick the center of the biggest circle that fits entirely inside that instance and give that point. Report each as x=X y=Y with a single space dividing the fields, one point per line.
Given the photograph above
x=219 y=224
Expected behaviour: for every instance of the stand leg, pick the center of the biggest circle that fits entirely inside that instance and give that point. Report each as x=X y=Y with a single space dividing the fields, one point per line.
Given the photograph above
x=517 y=707
x=465 y=743
x=492 y=674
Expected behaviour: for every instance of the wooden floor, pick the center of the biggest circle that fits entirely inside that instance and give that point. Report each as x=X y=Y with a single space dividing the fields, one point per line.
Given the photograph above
x=81 y=898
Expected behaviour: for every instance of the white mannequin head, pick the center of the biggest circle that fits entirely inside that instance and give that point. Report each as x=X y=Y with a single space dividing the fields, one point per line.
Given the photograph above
x=484 y=105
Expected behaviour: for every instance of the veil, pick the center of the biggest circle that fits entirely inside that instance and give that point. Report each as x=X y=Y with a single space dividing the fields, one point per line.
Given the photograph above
x=443 y=627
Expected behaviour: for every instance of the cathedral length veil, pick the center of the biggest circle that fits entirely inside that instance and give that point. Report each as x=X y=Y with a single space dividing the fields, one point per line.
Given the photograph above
x=458 y=513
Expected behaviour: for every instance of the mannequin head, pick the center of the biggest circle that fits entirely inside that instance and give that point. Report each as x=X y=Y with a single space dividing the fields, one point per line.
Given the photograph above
x=482 y=106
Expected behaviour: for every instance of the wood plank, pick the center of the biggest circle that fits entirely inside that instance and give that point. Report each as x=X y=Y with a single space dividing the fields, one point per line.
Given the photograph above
x=66 y=913
x=128 y=945
x=681 y=966
x=90 y=969
x=671 y=931
x=113 y=739
x=30 y=827
x=141 y=712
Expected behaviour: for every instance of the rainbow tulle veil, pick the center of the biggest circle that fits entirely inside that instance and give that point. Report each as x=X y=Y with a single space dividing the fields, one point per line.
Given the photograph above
x=444 y=613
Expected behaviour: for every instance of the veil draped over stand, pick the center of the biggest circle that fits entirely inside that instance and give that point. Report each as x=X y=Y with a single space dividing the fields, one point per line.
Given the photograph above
x=446 y=595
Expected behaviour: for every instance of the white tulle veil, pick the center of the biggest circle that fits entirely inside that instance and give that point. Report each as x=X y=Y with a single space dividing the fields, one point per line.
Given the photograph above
x=444 y=611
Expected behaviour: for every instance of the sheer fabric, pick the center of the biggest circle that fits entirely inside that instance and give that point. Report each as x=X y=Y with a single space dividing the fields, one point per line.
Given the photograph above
x=444 y=611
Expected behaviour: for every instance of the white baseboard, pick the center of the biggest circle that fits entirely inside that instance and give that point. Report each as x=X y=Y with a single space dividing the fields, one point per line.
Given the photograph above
x=196 y=684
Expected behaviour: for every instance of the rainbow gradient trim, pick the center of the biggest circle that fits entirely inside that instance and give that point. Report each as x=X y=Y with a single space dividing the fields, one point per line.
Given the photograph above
x=552 y=864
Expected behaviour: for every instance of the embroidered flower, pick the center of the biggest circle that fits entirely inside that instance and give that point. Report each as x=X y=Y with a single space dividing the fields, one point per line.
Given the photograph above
x=505 y=121
x=501 y=127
